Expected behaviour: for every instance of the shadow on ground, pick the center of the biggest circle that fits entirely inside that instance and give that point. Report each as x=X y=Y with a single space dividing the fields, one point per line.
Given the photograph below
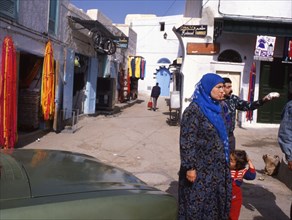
x=25 y=138
x=256 y=197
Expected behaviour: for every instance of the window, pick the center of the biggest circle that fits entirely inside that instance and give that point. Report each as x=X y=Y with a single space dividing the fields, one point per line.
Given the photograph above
x=230 y=56
x=53 y=14
x=9 y=8
x=162 y=26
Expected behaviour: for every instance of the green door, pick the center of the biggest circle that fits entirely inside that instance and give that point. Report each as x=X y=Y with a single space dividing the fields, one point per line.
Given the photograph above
x=273 y=78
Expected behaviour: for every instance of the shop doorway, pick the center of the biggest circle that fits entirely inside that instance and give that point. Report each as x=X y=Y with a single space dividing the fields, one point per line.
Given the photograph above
x=29 y=92
x=79 y=83
x=274 y=77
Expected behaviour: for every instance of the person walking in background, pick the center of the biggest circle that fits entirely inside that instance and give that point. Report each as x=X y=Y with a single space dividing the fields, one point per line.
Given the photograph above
x=204 y=189
x=239 y=171
x=155 y=93
x=233 y=103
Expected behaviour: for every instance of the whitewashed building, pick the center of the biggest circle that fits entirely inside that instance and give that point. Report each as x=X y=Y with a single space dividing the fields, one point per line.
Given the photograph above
x=221 y=36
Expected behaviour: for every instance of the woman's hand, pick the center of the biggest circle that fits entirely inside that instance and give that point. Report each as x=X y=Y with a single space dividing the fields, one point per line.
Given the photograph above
x=191 y=175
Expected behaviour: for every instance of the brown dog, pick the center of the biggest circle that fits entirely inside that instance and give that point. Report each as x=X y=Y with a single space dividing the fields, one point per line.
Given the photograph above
x=271 y=164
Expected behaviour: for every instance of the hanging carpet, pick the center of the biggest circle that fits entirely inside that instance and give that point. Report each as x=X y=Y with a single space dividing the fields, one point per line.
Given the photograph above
x=48 y=84
x=8 y=104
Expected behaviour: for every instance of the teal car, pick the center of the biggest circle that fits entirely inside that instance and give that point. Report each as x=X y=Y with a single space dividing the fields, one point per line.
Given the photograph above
x=50 y=184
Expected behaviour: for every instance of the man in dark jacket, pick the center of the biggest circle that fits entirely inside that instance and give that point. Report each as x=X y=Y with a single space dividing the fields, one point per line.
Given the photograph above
x=233 y=103
x=155 y=93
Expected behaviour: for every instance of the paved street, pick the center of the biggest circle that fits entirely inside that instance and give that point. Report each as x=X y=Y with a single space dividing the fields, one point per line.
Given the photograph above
x=142 y=142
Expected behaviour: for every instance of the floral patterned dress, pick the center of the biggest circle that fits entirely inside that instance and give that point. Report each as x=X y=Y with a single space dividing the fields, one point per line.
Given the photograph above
x=209 y=197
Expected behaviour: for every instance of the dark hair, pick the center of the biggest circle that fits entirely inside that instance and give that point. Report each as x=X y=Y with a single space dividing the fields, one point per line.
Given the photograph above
x=227 y=80
x=241 y=159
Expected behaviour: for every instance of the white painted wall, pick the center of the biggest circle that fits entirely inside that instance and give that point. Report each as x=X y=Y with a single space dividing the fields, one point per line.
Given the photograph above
x=152 y=46
x=267 y=9
x=281 y=9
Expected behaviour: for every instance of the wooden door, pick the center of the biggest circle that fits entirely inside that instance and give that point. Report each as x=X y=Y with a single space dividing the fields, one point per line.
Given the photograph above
x=273 y=78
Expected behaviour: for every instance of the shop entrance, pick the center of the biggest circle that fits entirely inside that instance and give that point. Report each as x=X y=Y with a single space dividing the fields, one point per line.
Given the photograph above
x=79 y=83
x=29 y=92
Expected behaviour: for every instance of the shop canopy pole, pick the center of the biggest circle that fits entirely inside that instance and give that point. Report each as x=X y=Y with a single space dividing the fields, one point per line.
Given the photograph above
x=8 y=107
x=48 y=84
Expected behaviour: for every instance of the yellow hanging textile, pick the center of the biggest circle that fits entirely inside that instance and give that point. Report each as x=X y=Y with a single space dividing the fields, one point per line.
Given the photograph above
x=137 y=67
x=130 y=67
x=48 y=84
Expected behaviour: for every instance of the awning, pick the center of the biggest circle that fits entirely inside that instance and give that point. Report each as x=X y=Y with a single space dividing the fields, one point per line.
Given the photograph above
x=98 y=29
x=93 y=24
x=278 y=28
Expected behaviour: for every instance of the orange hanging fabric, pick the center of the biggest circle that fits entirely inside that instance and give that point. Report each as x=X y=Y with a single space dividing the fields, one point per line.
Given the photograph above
x=8 y=107
x=48 y=84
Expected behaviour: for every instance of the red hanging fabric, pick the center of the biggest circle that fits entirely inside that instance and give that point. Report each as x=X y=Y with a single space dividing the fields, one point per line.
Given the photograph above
x=252 y=78
x=8 y=105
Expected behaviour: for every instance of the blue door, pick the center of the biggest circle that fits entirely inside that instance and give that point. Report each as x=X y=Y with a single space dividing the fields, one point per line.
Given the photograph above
x=163 y=78
x=68 y=83
x=90 y=91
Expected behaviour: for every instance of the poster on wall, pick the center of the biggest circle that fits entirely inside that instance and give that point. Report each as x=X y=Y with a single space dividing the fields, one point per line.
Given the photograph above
x=264 y=49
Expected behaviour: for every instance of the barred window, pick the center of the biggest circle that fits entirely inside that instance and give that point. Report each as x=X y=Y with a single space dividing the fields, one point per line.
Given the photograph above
x=230 y=56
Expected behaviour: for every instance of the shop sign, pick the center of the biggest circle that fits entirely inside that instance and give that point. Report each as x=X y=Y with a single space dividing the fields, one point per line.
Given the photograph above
x=264 y=49
x=192 y=30
x=122 y=42
x=202 y=48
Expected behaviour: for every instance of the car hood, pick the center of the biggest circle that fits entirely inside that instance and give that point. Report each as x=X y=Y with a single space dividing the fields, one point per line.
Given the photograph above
x=34 y=173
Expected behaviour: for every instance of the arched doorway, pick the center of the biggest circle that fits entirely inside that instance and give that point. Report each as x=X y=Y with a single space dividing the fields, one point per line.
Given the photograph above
x=163 y=78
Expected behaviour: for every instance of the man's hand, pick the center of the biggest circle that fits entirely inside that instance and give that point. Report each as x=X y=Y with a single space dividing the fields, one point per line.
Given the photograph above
x=191 y=175
x=271 y=96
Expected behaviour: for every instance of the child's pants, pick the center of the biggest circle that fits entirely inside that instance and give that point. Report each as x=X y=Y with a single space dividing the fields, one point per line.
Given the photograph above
x=236 y=202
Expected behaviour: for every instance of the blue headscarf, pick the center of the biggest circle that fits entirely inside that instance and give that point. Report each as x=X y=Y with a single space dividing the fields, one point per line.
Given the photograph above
x=210 y=107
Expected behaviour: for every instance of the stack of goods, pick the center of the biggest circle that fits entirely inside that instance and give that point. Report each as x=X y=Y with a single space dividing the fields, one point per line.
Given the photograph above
x=28 y=110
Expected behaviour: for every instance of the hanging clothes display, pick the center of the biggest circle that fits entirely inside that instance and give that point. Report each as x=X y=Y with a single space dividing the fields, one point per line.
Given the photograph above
x=136 y=67
x=142 y=67
x=252 y=78
x=48 y=83
x=8 y=103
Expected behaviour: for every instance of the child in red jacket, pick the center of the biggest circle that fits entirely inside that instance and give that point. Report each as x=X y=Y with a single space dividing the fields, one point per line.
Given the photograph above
x=239 y=171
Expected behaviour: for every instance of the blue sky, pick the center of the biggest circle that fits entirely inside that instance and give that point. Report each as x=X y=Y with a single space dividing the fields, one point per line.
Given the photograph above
x=117 y=10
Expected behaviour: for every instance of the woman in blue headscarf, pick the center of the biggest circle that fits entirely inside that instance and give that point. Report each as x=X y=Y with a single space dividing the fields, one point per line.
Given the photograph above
x=204 y=177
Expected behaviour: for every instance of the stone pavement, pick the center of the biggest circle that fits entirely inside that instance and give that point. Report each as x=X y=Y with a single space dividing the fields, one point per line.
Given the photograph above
x=143 y=142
